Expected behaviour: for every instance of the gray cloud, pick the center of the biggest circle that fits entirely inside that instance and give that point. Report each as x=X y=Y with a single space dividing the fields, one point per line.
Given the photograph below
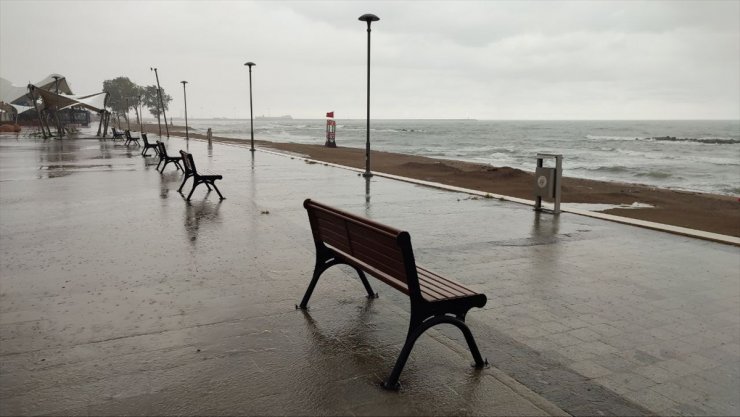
x=498 y=60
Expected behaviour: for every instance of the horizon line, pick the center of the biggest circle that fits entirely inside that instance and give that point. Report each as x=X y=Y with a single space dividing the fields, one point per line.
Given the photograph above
x=469 y=119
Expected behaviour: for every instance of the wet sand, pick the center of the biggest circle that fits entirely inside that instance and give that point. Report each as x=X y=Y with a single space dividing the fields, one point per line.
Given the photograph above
x=700 y=211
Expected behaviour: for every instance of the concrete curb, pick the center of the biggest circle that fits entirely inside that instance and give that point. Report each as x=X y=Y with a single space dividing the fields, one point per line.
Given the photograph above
x=683 y=231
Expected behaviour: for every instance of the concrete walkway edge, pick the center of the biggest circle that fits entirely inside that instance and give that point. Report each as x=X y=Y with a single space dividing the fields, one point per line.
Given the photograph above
x=683 y=231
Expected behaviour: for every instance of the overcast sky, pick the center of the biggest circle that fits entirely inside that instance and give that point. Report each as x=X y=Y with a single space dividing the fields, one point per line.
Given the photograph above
x=430 y=59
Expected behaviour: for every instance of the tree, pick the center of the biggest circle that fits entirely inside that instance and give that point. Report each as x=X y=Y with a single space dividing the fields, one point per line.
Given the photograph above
x=150 y=99
x=119 y=89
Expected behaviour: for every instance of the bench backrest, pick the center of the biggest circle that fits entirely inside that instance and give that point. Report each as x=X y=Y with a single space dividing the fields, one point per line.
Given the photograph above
x=145 y=139
x=188 y=163
x=382 y=251
x=162 y=150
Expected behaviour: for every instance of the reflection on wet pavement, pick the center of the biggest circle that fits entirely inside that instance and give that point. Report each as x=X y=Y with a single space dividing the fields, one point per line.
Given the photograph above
x=118 y=298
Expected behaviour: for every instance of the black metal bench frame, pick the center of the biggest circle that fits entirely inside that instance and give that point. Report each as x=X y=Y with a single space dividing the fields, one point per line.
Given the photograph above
x=163 y=157
x=386 y=253
x=148 y=145
x=116 y=134
x=190 y=171
x=130 y=138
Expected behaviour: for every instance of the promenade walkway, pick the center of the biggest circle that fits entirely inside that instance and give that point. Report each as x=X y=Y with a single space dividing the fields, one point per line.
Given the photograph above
x=119 y=297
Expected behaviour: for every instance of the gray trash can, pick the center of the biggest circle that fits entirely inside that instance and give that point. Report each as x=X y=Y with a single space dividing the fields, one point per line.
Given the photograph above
x=547 y=181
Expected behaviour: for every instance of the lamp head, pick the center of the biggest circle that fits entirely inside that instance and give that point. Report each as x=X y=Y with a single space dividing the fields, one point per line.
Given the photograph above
x=249 y=64
x=184 y=82
x=369 y=17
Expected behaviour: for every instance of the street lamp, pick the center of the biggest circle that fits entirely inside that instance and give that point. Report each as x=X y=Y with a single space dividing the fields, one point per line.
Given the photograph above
x=251 y=116
x=60 y=131
x=369 y=18
x=140 y=115
x=128 y=125
x=161 y=103
x=186 y=109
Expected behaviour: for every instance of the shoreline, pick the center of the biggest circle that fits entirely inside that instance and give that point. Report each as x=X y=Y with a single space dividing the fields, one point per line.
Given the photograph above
x=694 y=210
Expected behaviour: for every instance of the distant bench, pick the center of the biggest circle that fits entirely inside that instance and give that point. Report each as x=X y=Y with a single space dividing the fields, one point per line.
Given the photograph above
x=163 y=157
x=116 y=134
x=130 y=138
x=148 y=145
x=386 y=253
x=209 y=178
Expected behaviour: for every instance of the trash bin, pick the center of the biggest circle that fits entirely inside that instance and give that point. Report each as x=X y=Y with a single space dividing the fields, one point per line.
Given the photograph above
x=547 y=182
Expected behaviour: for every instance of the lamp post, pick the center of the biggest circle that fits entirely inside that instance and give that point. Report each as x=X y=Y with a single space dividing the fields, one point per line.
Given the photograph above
x=128 y=125
x=60 y=130
x=369 y=18
x=139 y=114
x=251 y=115
x=161 y=103
x=185 y=96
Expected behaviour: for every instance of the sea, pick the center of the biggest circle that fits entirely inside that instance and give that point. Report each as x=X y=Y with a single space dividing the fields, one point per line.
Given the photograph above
x=701 y=156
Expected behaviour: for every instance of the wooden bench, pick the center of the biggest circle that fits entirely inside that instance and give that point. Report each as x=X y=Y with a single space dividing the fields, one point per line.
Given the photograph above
x=148 y=146
x=130 y=138
x=116 y=133
x=163 y=157
x=386 y=253
x=198 y=178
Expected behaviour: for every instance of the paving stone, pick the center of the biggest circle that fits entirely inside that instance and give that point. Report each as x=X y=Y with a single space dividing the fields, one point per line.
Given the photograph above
x=655 y=373
x=676 y=392
x=584 y=334
x=589 y=369
x=652 y=400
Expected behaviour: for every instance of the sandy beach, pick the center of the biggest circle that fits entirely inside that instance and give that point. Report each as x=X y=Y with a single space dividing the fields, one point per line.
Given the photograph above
x=700 y=211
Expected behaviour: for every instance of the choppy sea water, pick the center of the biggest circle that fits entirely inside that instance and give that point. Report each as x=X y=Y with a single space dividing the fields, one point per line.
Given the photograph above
x=687 y=155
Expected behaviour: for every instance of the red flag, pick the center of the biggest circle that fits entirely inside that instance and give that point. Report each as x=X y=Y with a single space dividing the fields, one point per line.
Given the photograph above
x=330 y=114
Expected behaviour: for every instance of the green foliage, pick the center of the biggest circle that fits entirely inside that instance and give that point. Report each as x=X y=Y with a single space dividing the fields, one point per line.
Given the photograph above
x=150 y=99
x=119 y=89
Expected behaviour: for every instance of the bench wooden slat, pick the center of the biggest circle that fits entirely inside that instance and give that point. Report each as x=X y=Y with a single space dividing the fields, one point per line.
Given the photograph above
x=373 y=246
x=320 y=208
x=332 y=238
x=388 y=279
x=433 y=291
x=443 y=285
x=379 y=251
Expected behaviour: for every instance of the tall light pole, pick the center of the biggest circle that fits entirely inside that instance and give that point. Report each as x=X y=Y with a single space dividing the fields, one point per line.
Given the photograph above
x=369 y=18
x=140 y=115
x=251 y=115
x=161 y=103
x=128 y=125
x=60 y=130
x=184 y=94
x=159 y=122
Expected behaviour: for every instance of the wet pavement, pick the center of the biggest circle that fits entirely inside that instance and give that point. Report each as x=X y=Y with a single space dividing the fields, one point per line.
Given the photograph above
x=119 y=297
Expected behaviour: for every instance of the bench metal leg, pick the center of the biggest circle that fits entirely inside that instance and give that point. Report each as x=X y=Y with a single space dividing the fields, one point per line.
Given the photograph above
x=417 y=329
x=219 y=192
x=368 y=288
x=195 y=184
x=184 y=180
x=322 y=264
